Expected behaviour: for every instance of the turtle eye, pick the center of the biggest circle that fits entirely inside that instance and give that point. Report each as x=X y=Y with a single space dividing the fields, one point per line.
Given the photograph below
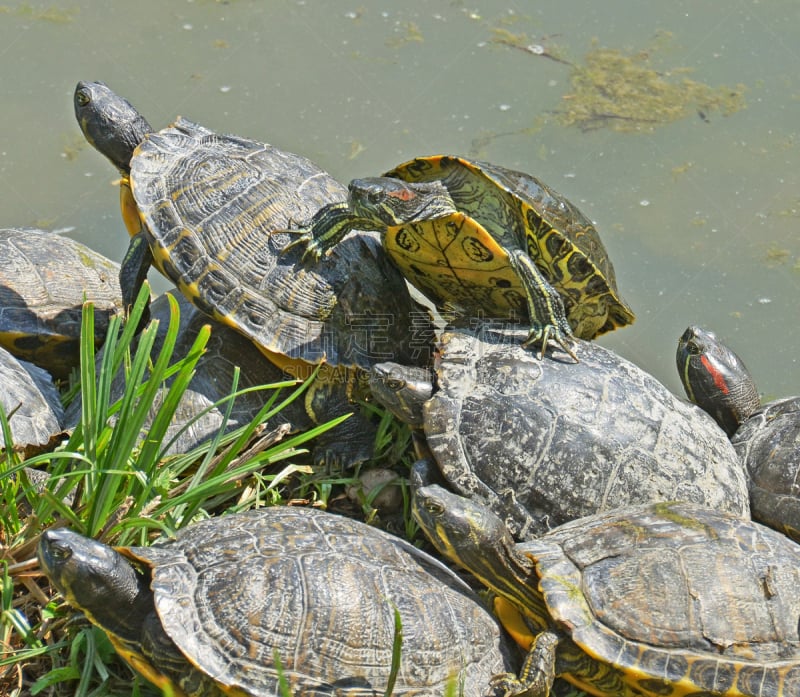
x=60 y=552
x=434 y=507
x=395 y=384
x=82 y=97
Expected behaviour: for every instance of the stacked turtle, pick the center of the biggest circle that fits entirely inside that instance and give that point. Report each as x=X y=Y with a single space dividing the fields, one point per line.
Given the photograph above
x=539 y=441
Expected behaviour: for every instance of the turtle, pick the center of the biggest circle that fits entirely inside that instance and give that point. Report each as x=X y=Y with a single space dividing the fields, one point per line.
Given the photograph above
x=544 y=442
x=31 y=404
x=656 y=600
x=199 y=414
x=44 y=280
x=208 y=209
x=483 y=240
x=766 y=436
x=231 y=600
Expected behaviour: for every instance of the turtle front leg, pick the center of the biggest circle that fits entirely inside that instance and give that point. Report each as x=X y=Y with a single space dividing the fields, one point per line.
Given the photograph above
x=133 y=273
x=538 y=671
x=327 y=228
x=545 y=307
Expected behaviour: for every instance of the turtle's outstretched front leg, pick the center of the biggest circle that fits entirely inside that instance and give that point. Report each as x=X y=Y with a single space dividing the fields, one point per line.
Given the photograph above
x=538 y=671
x=327 y=228
x=545 y=307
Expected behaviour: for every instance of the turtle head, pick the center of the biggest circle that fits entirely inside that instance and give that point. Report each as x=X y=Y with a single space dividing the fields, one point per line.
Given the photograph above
x=475 y=538
x=715 y=378
x=109 y=123
x=401 y=389
x=392 y=202
x=469 y=534
x=97 y=579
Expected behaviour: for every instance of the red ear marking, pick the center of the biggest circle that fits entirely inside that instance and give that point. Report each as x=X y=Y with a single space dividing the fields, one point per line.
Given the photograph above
x=719 y=378
x=403 y=194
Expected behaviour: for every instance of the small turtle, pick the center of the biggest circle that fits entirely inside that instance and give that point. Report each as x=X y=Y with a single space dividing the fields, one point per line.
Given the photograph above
x=205 y=209
x=44 y=280
x=766 y=436
x=661 y=600
x=487 y=241
x=31 y=403
x=214 y=610
x=544 y=442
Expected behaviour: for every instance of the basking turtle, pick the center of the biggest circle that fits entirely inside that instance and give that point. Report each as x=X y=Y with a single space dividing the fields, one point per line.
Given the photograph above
x=31 y=403
x=544 y=442
x=44 y=280
x=212 y=611
x=661 y=600
x=204 y=208
x=198 y=417
x=486 y=241
x=766 y=436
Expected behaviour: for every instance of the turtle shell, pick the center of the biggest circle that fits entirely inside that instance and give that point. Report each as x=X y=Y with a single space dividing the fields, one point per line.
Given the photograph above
x=676 y=599
x=31 y=402
x=544 y=442
x=518 y=212
x=211 y=205
x=198 y=416
x=769 y=444
x=318 y=591
x=44 y=280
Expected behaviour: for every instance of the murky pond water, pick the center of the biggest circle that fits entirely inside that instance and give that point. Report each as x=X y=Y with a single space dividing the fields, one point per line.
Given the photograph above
x=699 y=213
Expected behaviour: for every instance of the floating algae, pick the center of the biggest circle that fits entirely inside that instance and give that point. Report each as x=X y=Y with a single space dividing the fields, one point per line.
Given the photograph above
x=624 y=93
x=48 y=14
x=412 y=35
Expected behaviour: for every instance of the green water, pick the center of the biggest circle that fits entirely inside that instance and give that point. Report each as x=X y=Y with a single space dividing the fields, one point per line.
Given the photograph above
x=700 y=215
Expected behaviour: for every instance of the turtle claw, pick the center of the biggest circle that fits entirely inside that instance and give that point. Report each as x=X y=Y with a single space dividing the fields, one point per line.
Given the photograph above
x=542 y=336
x=306 y=239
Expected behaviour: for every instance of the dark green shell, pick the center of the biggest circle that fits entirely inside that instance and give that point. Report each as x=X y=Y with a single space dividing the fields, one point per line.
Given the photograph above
x=212 y=204
x=544 y=442
x=521 y=212
x=676 y=599
x=30 y=402
x=320 y=591
x=769 y=444
x=44 y=280
x=213 y=207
